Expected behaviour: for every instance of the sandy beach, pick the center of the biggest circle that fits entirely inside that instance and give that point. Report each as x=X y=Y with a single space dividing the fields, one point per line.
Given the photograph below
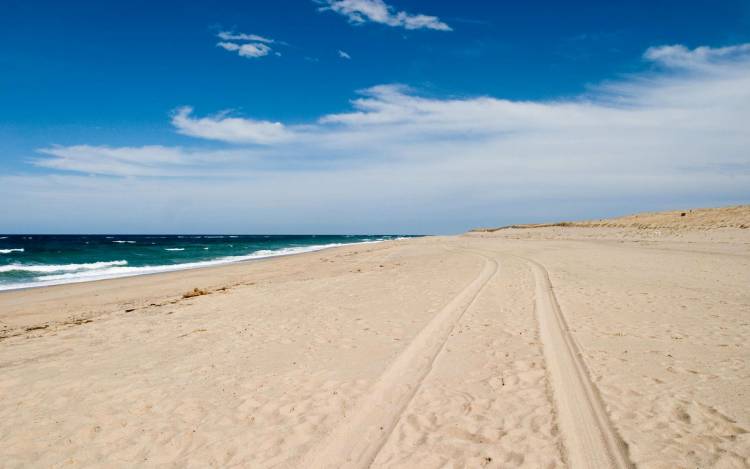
x=607 y=343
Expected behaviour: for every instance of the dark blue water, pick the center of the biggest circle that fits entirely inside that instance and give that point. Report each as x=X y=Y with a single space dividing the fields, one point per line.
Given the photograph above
x=36 y=260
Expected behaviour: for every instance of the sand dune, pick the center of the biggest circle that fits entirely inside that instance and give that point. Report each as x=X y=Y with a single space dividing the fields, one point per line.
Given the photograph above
x=678 y=220
x=613 y=345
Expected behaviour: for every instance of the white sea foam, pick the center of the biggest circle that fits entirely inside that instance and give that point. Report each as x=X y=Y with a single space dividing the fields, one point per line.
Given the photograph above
x=118 y=241
x=51 y=268
x=3 y=237
x=100 y=271
x=8 y=251
x=174 y=249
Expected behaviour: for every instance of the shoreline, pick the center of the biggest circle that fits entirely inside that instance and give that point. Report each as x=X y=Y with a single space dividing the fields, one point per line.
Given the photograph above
x=166 y=268
x=36 y=306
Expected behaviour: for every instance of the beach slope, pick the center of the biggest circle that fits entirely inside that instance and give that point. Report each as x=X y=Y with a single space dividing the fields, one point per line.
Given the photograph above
x=610 y=343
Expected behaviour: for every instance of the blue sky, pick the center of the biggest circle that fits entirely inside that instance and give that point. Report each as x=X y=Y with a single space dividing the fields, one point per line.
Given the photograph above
x=365 y=115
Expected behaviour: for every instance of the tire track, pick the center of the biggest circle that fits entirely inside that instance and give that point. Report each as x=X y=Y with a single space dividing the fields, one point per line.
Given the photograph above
x=356 y=442
x=589 y=438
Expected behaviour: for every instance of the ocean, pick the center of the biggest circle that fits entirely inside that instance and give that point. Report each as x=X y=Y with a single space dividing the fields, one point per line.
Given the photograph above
x=38 y=260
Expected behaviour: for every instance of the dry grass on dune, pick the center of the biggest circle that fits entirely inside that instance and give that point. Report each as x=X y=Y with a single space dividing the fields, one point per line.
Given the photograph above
x=690 y=219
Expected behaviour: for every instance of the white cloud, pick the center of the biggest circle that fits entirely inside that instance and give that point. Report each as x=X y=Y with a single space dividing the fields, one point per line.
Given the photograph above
x=377 y=11
x=125 y=161
x=657 y=140
x=246 y=50
x=147 y=160
x=344 y=55
x=246 y=45
x=229 y=129
x=229 y=36
x=680 y=56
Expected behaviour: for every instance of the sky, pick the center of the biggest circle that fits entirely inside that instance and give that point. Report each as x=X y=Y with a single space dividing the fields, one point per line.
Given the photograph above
x=366 y=116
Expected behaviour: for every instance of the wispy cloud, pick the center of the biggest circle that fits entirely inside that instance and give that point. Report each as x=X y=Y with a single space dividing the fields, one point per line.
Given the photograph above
x=377 y=11
x=344 y=55
x=665 y=136
x=148 y=160
x=229 y=36
x=246 y=50
x=680 y=56
x=229 y=129
x=246 y=45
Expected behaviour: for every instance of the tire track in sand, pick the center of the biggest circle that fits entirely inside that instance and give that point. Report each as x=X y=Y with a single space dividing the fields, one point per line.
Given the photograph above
x=588 y=436
x=356 y=441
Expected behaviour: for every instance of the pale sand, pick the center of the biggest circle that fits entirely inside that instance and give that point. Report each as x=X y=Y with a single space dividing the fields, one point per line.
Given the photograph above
x=584 y=346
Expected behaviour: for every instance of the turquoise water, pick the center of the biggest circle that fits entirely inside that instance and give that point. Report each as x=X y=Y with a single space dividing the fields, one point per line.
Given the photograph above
x=37 y=260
